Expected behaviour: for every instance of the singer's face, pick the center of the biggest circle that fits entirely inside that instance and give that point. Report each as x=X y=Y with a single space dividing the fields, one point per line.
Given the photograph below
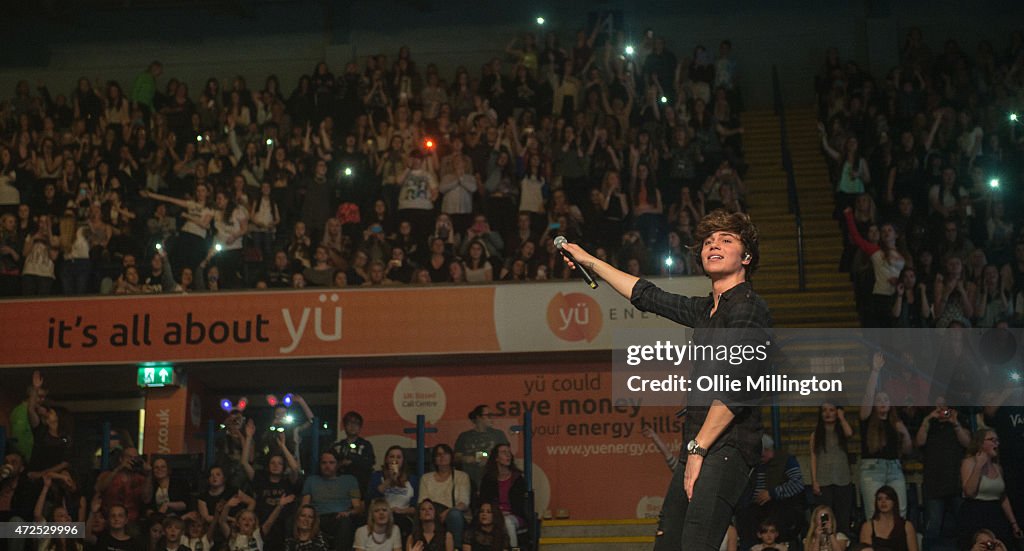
x=722 y=254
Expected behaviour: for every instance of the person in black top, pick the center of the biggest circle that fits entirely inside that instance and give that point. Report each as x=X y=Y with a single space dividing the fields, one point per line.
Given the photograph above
x=116 y=536
x=356 y=453
x=724 y=430
x=886 y=529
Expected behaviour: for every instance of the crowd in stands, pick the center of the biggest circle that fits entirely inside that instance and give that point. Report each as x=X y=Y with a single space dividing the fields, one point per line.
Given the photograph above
x=387 y=172
x=927 y=163
x=255 y=496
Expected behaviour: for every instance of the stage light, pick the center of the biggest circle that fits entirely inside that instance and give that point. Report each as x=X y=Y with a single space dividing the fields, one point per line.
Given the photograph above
x=1013 y=117
x=287 y=400
x=664 y=99
x=540 y=20
x=629 y=50
x=243 y=403
x=668 y=261
x=226 y=405
x=347 y=171
x=218 y=247
x=271 y=400
x=289 y=419
x=993 y=183
x=1015 y=376
x=428 y=144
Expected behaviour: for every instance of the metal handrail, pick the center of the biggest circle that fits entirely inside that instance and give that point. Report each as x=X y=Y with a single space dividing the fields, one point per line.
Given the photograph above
x=791 y=193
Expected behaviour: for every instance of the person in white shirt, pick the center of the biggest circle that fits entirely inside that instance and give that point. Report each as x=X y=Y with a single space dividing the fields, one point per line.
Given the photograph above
x=380 y=532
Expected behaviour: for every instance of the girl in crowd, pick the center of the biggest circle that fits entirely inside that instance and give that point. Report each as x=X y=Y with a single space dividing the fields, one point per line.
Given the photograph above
x=886 y=528
x=985 y=504
x=198 y=534
x=115 y=537
x=169 y=495
x=488 y=530
x=887 y=261
x=503 y=483
x=40 y=250
x=429 y=534
x=478 y=267
x=830 y=464
x=60 y=513
x=190 y=245
x=265 y=217
x=306 y=535
x=379 y=533
x=884 y=438
x=231 y=222
x=824 y=533
x=397 y=486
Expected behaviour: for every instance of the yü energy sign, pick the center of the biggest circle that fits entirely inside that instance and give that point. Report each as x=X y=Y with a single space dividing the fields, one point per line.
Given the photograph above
x=318 y=324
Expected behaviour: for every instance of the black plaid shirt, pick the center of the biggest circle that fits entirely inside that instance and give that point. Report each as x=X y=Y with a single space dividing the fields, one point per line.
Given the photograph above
x=742 y=318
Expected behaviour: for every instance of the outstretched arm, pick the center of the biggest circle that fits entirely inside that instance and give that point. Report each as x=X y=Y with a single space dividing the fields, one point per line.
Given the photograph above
x=622 y=282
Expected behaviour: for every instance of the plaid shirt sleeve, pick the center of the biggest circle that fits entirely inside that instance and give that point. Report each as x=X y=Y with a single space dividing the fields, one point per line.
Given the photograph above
x=649 y=298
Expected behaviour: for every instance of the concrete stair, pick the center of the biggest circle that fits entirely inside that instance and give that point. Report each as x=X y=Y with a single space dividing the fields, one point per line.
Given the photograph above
x=598 y=535
x=828 y=300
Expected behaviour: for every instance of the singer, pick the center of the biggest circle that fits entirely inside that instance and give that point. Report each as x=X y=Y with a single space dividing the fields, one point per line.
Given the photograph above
x=723 y=431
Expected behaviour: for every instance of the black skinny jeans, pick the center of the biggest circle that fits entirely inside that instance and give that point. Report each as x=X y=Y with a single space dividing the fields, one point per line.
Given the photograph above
x=701 y=522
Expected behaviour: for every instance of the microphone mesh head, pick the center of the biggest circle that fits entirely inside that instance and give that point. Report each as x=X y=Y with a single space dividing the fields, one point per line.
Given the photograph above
x=559 y=241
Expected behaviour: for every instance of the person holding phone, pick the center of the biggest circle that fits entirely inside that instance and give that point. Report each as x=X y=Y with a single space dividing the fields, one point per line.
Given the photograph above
x=398 y=487
x=823 y=534
x=722 y=432
x=942 y=440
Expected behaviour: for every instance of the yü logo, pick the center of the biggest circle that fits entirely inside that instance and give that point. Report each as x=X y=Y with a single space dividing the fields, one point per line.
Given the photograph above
x=297 y=330
x=574 y=317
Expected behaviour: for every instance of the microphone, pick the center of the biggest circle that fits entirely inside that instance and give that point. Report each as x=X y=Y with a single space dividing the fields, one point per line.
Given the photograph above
x=559 y=242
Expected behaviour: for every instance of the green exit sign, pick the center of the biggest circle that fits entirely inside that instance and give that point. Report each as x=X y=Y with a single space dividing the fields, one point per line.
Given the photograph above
x=156 y=375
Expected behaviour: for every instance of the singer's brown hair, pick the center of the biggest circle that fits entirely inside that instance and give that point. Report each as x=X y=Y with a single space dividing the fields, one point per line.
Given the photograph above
x=736 y=223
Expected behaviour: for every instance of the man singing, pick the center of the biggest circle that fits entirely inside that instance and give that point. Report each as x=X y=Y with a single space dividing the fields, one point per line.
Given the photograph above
x=723 y=431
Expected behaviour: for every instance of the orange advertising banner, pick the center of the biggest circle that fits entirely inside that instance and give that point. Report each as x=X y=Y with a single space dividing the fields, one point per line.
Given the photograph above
x=166 y=420
x=590 y=454
x=265 y=326
x=283 y=325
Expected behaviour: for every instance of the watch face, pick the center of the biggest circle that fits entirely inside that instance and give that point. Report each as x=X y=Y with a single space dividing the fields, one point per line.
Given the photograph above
x=690 y=445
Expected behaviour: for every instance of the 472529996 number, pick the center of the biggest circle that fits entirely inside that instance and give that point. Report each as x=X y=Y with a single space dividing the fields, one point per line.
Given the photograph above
x=12 y=530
